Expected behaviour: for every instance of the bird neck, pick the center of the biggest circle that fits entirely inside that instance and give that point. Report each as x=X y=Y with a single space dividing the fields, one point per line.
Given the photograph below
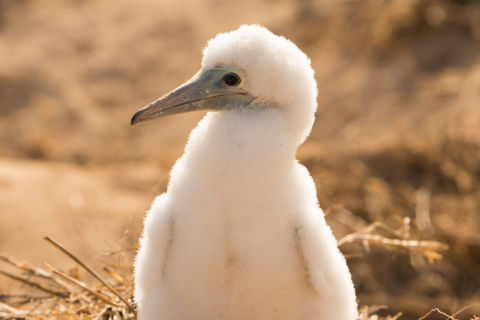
x=235 y=150
x=246 y=138
x=238 y=163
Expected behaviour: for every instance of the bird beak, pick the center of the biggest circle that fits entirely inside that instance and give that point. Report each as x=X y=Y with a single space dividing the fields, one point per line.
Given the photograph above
x=205 y=91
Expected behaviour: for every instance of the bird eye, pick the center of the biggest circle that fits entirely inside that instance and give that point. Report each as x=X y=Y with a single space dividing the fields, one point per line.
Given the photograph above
x=231 y=79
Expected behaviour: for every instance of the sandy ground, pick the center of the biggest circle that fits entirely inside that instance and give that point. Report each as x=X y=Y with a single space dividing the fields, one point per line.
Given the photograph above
x=396 y=133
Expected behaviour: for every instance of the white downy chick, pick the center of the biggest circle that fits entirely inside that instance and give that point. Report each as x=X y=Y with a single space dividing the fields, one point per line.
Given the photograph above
x=239 y=233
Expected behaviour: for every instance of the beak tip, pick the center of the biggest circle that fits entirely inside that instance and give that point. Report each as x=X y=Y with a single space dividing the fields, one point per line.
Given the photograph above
x=133 y=121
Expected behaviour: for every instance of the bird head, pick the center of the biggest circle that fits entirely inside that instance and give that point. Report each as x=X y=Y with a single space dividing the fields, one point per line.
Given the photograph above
x=247 y=68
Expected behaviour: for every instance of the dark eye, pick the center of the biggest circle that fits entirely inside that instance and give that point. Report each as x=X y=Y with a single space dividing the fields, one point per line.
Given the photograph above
x=231 y=79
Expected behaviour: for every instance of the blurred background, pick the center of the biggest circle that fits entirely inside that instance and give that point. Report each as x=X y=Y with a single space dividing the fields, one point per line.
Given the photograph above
x=397 y=136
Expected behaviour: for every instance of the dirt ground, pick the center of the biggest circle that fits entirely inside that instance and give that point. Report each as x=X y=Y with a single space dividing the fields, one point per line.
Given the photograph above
x=397 y=133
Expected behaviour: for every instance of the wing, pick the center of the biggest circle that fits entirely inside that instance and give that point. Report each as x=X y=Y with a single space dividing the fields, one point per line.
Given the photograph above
x=323 y=265
x=152 y=259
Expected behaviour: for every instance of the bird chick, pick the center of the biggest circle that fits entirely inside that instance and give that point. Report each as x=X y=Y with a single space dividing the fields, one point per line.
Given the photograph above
x=239 y=233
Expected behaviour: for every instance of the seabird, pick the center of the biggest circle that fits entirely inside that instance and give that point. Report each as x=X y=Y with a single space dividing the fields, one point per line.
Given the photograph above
x=239 y=233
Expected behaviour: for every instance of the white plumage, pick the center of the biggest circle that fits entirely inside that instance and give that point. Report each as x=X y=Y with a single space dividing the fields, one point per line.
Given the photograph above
x=239 y=233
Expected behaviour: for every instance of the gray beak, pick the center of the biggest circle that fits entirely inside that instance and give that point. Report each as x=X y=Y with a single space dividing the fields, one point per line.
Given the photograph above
x=205 y=91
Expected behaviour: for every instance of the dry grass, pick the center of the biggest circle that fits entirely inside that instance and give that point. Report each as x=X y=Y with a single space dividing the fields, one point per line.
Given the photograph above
x=64 y=295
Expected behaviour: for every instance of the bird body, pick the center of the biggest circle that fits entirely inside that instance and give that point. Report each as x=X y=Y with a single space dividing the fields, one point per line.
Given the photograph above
x=239 y=233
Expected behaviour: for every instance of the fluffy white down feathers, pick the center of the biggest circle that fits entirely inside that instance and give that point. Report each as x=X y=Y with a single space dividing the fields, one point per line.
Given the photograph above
x=278 y=72
x=239 y=233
